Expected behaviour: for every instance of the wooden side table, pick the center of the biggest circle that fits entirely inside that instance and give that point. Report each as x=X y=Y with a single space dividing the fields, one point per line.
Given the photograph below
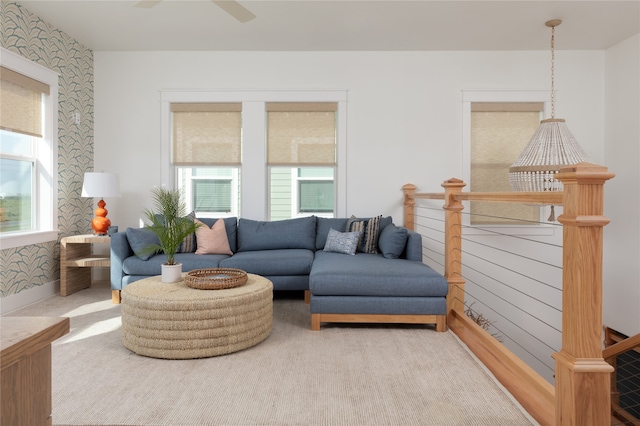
x=25 y=364
x=77 y=259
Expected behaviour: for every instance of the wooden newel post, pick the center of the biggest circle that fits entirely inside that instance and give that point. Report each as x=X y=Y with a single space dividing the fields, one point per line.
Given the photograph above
x=453 y=247
x=409 y=205
x=582 y=375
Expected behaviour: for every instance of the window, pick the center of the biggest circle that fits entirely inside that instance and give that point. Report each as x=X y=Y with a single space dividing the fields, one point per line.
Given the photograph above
x=497 y=125
x=314 y=190
x=17 y=169
x=210 y=191
x=499 y=132
x=28 y=141
x=301 y=191
x=206 y=141
x=301 y=154
x=299 y=177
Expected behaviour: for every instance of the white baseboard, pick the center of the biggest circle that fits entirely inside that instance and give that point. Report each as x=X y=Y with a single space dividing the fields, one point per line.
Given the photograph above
x=24 y=298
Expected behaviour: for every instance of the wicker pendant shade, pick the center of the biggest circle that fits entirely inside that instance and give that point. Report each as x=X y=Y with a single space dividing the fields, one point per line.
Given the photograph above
x=551 y=147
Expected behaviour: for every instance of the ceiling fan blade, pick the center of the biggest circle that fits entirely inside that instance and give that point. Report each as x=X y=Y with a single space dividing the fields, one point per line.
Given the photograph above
x=147 y=4
x=235 y=9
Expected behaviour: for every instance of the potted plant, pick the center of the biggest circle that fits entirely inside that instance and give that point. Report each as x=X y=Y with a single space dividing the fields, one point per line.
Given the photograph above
x=169 y=224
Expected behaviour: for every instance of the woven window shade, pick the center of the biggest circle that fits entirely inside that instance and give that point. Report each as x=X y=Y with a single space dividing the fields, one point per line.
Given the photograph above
x=207 y=134
x=507 y=107
x=301 y=134
x=499 y=131
x=21 y=104
x=499 y=136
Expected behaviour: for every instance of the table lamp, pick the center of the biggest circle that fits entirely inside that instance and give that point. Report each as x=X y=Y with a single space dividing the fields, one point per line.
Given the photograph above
x=100 y=185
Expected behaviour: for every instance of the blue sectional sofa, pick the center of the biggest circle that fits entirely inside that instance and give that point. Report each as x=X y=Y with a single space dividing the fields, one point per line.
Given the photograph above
x=388 y=284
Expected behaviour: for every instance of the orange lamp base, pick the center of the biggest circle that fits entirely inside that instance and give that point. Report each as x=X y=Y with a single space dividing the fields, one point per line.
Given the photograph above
x=100 y=224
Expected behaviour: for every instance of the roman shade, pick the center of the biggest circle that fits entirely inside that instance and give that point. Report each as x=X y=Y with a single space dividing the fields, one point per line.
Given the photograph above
x=507 y=107
x=21 y=105
x=301 y=133
x=496 y=126
x=207 y=133
x=499 y=131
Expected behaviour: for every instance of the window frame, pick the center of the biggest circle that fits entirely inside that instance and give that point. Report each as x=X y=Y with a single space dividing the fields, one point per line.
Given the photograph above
x=254 y=172
x=46 y=171
x=498 y=96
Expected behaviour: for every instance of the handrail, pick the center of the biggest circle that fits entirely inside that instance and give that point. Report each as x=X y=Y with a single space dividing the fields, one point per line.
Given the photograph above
x=622 y=346
x=430 y=195
x=549 y=198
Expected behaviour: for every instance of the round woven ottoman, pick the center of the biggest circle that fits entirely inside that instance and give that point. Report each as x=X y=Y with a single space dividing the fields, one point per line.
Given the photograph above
x=173 y=321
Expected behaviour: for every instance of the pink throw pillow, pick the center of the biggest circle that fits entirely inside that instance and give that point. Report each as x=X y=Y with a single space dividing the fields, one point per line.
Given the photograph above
x=212 y=240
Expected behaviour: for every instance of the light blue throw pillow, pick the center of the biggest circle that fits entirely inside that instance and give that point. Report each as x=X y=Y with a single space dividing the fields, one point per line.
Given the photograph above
x=342 y=242
x=323 y=224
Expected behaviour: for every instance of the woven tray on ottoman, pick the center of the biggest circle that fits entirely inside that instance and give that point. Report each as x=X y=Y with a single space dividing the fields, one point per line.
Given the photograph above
x=215 y=278
x=173 y=321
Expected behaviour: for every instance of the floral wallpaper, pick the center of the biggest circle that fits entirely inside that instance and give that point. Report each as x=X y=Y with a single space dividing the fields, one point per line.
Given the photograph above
x=23 y=268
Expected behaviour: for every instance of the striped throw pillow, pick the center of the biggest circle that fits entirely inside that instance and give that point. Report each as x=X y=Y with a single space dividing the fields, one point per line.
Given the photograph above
x=188 y=244
x=369 y=232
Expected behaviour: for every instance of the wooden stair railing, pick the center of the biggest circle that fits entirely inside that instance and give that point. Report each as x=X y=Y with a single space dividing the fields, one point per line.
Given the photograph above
x=582 y=392
x=615 y=345
x=622 y=346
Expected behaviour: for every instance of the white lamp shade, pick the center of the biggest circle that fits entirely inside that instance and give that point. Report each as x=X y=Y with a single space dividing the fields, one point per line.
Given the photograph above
x=100 y=185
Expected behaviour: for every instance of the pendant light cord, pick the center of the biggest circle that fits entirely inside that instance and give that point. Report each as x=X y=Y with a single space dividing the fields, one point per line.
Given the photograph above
x=553 y=70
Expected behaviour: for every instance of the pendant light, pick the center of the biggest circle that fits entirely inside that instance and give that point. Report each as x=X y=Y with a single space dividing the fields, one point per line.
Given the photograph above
x=551 y=147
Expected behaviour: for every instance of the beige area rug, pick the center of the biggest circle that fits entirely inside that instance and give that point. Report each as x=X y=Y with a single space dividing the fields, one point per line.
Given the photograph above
x=342 y=375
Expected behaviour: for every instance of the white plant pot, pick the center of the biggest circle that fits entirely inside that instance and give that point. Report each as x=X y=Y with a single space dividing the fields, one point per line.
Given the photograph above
x=171 y=273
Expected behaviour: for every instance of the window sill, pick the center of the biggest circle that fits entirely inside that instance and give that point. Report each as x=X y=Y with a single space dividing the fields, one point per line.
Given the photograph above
x=27 y=238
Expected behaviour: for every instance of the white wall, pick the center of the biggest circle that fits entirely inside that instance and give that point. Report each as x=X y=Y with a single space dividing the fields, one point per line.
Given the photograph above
x=622 y=193
x=404 y=109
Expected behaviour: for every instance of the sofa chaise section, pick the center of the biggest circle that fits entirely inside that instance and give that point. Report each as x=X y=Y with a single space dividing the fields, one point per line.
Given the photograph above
x=372 y=288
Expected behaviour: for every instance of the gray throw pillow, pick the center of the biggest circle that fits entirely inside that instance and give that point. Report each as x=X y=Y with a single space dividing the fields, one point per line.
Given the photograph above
x=323 y=224
x=392 y=241
x=139 y=239
x=342 y=242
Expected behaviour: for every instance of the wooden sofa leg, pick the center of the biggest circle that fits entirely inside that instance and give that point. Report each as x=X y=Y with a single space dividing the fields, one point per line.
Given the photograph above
x=315 y=322
x=307 y=297
x=441 y=323
x=115 y=297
